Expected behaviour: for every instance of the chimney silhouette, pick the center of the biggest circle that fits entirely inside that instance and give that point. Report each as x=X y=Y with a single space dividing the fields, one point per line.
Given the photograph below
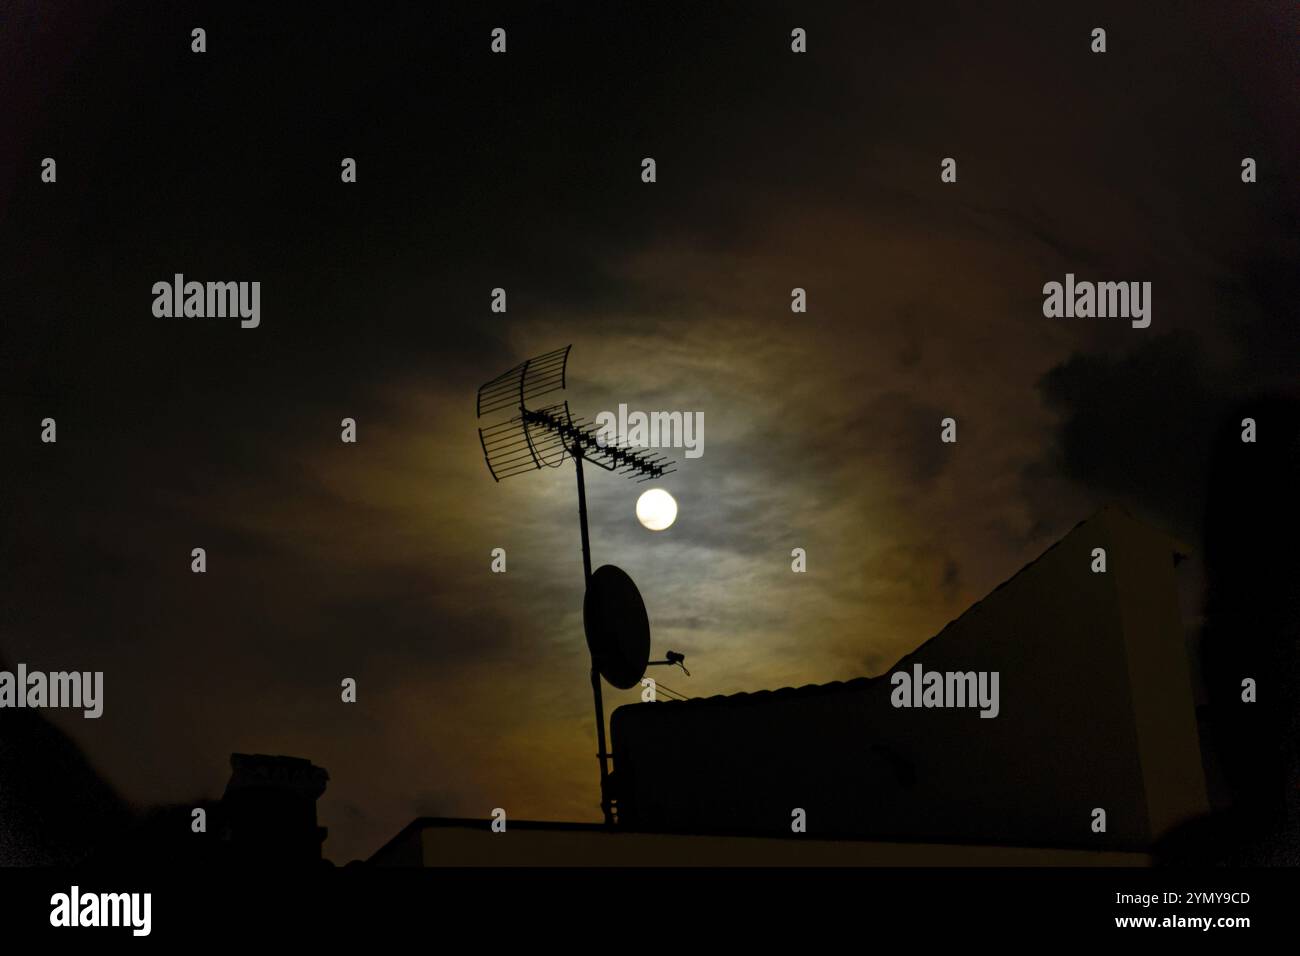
x=270 y=810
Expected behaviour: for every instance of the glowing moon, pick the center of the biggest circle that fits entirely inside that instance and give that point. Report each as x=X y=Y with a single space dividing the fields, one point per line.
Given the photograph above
x=656 y=509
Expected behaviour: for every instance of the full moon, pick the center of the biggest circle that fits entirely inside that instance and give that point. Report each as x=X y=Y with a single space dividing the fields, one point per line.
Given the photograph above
x=656 y=509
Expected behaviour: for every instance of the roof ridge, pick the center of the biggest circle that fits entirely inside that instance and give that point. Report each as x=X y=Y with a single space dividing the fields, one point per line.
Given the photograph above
x=1105 y=511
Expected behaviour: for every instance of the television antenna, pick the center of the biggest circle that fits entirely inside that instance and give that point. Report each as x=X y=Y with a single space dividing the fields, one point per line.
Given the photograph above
x=544 y=436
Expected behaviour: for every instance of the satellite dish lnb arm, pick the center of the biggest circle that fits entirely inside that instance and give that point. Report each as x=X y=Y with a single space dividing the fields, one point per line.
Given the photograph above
x=672 y=658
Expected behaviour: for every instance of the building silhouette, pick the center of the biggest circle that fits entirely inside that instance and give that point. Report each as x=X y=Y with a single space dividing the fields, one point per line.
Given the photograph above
x=1095 y=711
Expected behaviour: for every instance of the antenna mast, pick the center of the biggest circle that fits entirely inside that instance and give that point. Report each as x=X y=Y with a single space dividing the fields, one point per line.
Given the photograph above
x=542 y=437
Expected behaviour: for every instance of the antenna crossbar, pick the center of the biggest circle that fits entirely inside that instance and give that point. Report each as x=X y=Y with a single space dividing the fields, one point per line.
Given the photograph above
x=581 y=437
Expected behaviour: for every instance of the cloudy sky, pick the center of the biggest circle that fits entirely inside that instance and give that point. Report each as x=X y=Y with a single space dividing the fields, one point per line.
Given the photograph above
x=821 y=430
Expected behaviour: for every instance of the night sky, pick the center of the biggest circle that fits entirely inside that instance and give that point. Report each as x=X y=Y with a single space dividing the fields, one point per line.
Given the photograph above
x=821 y=430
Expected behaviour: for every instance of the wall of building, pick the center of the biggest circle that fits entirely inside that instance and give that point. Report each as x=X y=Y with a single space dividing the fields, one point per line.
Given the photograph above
x=447 y=842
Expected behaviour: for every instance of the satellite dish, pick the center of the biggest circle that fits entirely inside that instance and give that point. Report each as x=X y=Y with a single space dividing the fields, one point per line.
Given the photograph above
x=618 y=630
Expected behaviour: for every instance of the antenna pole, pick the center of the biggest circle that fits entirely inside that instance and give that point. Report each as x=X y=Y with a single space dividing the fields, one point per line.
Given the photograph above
x=605 y=807
x=540 y=437
x=576 y=452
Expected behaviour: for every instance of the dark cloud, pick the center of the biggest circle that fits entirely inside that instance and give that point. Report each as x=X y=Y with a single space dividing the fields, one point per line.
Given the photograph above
x=1139 y=427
